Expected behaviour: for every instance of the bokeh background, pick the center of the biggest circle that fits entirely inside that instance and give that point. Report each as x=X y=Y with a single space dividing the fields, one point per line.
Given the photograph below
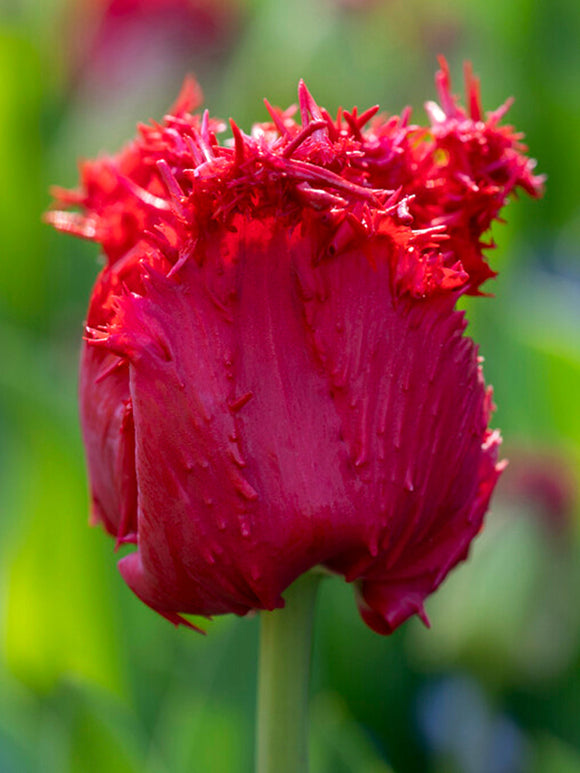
x=92 y=680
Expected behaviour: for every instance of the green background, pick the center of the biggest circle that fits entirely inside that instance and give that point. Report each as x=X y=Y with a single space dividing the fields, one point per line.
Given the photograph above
x=92 y=680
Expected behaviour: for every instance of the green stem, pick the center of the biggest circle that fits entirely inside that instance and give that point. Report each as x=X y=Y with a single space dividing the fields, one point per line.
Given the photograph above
x=283 y=680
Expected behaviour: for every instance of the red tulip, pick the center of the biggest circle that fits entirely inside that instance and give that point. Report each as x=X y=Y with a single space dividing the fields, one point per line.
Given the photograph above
x=274 y=375
x=112 y=43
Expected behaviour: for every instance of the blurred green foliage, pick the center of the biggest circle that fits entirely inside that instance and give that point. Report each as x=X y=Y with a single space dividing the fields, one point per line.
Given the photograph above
x=91 y=680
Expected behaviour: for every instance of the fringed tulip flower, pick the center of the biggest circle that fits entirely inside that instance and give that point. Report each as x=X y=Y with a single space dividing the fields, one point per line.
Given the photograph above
x=274 y=375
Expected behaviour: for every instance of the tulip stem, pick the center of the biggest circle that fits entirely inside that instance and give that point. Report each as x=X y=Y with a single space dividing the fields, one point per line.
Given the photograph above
x=283 y=680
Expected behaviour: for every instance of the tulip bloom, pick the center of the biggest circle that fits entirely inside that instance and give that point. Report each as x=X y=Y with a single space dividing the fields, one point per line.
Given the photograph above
x=127 y=43
x=274 y=375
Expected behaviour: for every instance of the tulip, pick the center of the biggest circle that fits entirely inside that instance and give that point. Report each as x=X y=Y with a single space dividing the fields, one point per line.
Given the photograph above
x=275 y=377
x=112 y=34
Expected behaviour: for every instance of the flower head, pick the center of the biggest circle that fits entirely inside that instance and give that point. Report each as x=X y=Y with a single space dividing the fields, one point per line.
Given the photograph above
x=274 y=375
x=112 y=40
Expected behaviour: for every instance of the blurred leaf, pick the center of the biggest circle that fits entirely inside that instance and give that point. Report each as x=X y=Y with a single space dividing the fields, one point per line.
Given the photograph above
x=23 y=279
x=339 y=744
x=18 y=723
x=200 y=734
x=205 y=719
x=60 y=614
x=555 y=756
x=105 y=738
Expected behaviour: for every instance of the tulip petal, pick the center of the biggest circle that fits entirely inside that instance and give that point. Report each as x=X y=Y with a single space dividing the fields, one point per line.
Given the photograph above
x=414 y=412
x=108 y=430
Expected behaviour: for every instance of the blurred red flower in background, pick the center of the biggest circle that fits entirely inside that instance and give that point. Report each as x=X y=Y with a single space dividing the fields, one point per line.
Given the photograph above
x=111 y=40
x=274 y=375
x=543 y=481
